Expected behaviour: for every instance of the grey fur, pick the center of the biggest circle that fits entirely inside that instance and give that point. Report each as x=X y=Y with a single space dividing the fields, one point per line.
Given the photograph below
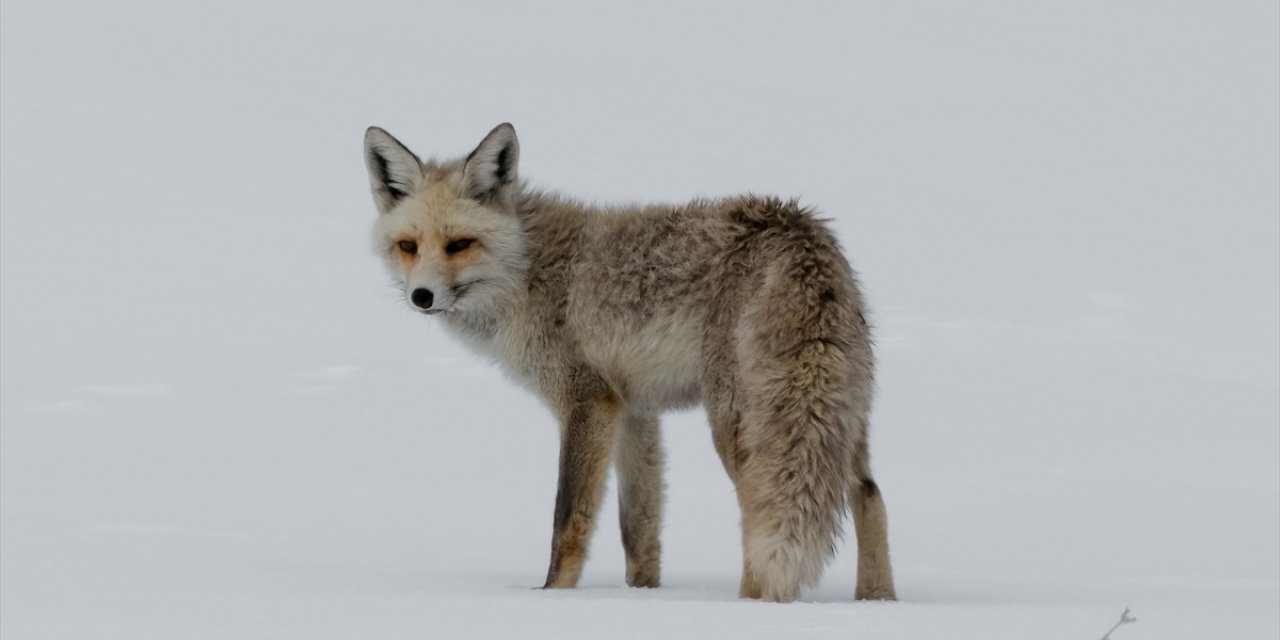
x=613 y=315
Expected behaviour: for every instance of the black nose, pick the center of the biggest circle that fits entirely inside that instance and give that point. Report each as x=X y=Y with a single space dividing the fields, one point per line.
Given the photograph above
x=422 y=298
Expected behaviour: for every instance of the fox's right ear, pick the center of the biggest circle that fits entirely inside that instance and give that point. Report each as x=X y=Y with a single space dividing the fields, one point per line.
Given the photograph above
x=394 y=172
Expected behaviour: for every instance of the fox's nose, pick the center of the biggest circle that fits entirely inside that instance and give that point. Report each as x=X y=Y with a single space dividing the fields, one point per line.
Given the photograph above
x=422 y=298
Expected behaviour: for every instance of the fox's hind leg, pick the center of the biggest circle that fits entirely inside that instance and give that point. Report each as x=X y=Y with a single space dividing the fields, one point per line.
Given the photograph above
x=589 y=422
x=639 y=460
x=725 y=421
x=875 y=575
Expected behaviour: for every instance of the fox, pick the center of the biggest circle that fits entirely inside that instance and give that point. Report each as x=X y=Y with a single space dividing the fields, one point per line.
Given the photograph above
x=613 y=315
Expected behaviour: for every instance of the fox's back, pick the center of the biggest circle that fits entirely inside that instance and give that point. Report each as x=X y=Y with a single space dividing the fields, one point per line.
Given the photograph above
x=636 y=290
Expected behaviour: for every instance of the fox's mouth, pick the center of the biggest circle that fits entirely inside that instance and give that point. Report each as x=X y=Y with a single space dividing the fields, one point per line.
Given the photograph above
x=457 y=291
x=460 y=290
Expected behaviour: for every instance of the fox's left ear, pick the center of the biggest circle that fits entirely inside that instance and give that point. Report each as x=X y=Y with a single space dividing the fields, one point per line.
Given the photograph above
x=490 y=171
x=394 y=172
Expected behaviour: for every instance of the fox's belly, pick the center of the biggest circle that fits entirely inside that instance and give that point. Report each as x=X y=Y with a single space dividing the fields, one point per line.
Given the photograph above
x=656 y=368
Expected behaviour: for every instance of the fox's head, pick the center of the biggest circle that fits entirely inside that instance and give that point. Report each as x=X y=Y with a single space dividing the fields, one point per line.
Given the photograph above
x=449 y=232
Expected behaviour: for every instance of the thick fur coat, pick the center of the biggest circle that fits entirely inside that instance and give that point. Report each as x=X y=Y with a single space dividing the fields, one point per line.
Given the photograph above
x=744 y=305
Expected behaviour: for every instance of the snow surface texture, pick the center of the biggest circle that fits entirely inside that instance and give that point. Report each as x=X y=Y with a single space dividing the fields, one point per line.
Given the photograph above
x=220 y=422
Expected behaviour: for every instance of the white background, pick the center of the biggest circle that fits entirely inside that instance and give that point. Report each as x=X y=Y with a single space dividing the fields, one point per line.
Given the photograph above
x=219 y=421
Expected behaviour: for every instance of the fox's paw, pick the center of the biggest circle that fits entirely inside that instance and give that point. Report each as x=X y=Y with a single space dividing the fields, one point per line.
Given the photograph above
x=643 y=577
x=880 y=593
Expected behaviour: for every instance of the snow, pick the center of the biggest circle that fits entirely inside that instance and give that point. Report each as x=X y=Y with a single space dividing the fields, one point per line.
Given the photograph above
x=217 y=420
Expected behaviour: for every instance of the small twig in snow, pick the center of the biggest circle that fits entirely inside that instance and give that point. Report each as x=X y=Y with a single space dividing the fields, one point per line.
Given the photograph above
x=1125 y=618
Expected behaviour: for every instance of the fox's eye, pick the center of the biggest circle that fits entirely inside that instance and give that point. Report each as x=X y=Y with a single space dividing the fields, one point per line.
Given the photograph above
x=458 y=245
x=408 y=246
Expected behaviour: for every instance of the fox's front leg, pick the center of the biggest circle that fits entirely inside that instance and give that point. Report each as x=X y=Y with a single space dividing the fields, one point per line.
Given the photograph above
x=639 y=461
x=586 y=441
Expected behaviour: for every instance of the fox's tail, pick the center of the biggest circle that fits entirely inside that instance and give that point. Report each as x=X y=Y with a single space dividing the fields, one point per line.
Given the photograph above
x=806 y=373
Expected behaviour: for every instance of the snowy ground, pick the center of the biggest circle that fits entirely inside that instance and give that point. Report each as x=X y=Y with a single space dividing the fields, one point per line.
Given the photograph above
x=219 y=421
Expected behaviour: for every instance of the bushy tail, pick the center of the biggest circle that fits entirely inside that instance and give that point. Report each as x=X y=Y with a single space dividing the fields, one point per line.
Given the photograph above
x=805 y=376
x=805 y=373
x=796 y=480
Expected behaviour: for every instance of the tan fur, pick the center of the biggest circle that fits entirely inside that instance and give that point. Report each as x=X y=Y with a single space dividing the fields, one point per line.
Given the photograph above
x=639 y=461
x=875 y=576
x=587 y=437
x=744 y=305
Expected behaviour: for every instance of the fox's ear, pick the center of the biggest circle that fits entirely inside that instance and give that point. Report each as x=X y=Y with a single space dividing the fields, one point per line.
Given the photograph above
x=491 y=169
x=394 y=172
